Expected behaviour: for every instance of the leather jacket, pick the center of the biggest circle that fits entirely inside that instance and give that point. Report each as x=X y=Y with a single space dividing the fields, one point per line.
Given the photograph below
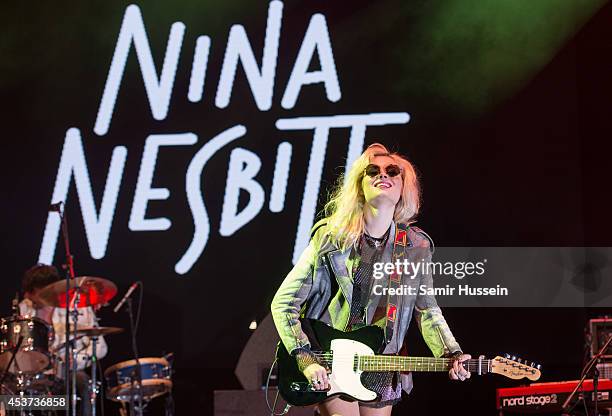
x=307 y=291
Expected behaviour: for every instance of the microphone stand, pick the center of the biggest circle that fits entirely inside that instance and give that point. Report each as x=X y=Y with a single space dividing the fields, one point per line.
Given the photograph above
x=135 y=379
x=94 y=380
x=69 y=268
x=585 y=373
x=75 y=353
x=138 y=409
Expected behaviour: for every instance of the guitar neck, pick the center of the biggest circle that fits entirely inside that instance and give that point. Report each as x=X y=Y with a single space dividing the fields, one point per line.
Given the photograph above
x=402 y=363
x=428 y=364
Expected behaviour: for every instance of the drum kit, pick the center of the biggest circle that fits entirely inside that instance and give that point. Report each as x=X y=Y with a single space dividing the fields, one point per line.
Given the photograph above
x=31 y=365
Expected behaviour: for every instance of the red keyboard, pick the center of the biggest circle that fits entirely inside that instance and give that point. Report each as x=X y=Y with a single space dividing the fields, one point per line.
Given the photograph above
x=548 y=397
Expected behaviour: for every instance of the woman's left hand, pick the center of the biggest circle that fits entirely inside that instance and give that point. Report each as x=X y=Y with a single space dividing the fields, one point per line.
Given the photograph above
x=458 y=372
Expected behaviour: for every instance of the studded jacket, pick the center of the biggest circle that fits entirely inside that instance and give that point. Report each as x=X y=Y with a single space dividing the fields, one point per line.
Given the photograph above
x=307 y=292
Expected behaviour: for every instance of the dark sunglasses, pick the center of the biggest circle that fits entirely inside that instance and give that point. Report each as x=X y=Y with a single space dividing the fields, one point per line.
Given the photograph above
x=373 y=170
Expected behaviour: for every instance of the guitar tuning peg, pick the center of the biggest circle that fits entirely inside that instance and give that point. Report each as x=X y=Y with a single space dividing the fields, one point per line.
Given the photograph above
x=539 y=366
x=519 y=359
x=507 y=356
x=532 y=364
x=514 y=358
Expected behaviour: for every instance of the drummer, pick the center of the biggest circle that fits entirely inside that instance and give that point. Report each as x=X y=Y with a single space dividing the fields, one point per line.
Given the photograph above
x=35 y=279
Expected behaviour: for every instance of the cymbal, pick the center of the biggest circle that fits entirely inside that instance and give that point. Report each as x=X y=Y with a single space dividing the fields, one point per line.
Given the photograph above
x=93 y=291
x=96 y=331
x=89 y=332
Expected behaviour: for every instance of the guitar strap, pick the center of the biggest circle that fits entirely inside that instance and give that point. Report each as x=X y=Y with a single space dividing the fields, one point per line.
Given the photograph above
x=395 y=280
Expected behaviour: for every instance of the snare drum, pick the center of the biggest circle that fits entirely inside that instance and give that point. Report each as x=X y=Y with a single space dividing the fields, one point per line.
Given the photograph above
x=33 y=355
x=121 y=379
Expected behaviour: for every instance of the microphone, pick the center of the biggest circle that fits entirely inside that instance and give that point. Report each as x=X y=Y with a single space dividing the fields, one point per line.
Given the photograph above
x=56 y=207
x=127 y=295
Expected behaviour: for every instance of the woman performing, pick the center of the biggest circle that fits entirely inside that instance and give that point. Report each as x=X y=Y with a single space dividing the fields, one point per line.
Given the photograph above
x=333 y=279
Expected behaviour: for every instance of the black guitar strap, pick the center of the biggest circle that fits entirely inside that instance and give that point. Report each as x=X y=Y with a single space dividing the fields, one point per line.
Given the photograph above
x=395 y=279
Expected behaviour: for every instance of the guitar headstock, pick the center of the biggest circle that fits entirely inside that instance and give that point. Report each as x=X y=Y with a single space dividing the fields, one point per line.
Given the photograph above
x=515 y=368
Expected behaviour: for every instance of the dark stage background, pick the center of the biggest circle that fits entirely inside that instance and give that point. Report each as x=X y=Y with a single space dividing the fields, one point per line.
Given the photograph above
x=510 y=105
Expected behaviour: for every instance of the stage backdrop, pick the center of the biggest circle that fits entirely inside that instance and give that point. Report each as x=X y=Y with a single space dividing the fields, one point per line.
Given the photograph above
x=193 y=143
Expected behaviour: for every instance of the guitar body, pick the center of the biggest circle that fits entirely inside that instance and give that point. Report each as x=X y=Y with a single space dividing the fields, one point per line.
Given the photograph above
x=344 y=377
x=348 y=354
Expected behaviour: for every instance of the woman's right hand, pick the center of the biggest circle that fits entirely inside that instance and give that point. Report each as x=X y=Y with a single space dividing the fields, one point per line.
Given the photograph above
x=317 y=376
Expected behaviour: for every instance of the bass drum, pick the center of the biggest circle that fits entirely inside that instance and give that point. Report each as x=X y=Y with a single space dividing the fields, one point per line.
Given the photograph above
x=35 y=384
x=33 y=356
x=121 y=379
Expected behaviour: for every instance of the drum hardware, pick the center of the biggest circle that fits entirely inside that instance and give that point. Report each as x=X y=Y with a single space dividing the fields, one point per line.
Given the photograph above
x=85 y=291
x=122 y=379
x=15 y=304
x=19 y=336
x=75 y=293
x=70 y=275
x=136 y=379
x=8 y=366
x=37 y=384
x=90 y=332
x=63 y=344
x=78 y=292
x=94 y=370
x=96 y=387
x=35 y=335
x=135 y=383
x=96 y=331
x=74 y=304
x=93 y=291
x=25 y=353
x=98 y=288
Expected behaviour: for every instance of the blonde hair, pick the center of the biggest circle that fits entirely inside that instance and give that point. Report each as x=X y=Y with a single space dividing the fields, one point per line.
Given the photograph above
x=343 y=213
